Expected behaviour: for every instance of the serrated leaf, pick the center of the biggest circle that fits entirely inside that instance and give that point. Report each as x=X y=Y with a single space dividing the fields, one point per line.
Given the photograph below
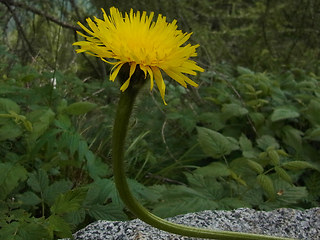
x=140 y=191
x=215 y=144
x=257 y=118
x=215 y=169
x=38 y=181
x=246 y=147
x=54 y=190
x=233 y=110
x=199 y=185
x=69 y=201
x=267 y=185
x=96 y=167
x=9 y=231
x=292 y=136
x=10 y=131
x=312 y=113
x=283 y=174
x=75 y=217
x=82 y=149
x=267 y=141
x=110 y=212
x=99 y=191
x=255 y=166
x=284 y=112
x=313 y=134
x=288 y=193
x=312 y=183
x=245 y=143
x=29 y=198
x=41 y=120
x=244 y=71
x=59 y=226
x=297 y=165
x=10 y=176
x=79 y=108
x=32 y=231
x=274 y=157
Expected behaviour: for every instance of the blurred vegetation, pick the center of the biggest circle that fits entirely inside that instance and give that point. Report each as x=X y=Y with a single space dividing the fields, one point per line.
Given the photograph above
x=247 y=137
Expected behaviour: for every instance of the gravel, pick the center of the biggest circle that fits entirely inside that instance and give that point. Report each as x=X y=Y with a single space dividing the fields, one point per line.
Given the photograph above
x=282 y=222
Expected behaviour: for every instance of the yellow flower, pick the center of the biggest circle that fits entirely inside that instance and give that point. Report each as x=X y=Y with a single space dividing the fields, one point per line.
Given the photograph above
x=137 y=40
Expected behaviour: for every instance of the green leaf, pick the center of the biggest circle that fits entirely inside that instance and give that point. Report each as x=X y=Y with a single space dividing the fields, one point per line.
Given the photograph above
x=274 y=157
x=312 y=113
x=141 y=192
x=9 y=231
x=29 y=198
x=313 y=134
x=233 y=110
x=80 y=108
x=255 y=166
x=267 y=185
x=32 y=231
x=297 y=165
x=215 y=169
x=292 y=137
x=38 y=181
x=69 y=201
x=283 y=174
x=284 y=112
x=76 y=217
x=244 y=71
x=312 y=183
x=41 y=120
x=54 y=190
x=110 y=212
x=288 y=193
x=7 y=105
x=267 y=141
x=10 y=131
x=214 y=144
x=257 y=118
x=245 y=143
x=246 y=147
x=10 y=176
x=96 y=167
x=99 y=191
x=59 y=226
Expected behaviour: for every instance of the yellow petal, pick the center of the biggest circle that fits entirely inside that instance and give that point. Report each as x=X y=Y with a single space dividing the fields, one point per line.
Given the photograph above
x=116 y=71
x=126 y=84
x=176 y=76
x=151 y=77
x=144 y=69
x=159 y=82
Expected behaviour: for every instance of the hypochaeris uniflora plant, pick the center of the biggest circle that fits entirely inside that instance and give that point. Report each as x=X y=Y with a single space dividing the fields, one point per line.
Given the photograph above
x=141 y=49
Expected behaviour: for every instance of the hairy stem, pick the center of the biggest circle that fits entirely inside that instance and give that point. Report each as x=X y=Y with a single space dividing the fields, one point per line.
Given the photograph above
x=123 y=113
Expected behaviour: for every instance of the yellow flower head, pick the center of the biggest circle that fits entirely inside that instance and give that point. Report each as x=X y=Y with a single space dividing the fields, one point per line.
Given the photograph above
x=137 y=40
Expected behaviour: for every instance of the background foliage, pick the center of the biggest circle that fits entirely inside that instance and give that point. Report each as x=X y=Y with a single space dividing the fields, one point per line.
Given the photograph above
x=247 y=137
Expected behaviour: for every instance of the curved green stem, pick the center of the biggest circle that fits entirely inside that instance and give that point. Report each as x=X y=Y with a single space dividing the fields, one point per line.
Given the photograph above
x=124 y=110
